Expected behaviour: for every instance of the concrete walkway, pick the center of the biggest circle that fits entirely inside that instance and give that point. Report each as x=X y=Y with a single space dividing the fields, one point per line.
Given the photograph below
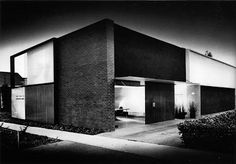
x=72 y=152
x=164 y=133
x=160 y=152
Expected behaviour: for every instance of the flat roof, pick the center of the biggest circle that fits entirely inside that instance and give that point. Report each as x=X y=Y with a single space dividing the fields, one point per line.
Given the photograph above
x=52 y=39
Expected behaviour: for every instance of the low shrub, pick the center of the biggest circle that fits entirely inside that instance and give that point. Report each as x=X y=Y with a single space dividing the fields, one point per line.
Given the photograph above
x=215 y=133
x=6 y=117
x=192 y=110
x=180 y=112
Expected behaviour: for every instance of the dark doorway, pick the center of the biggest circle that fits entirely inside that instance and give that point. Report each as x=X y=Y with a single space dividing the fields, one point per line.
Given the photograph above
x=159 y=102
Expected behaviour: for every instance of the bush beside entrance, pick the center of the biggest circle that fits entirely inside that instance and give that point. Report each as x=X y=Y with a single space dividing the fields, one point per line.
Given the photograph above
x=215 y=133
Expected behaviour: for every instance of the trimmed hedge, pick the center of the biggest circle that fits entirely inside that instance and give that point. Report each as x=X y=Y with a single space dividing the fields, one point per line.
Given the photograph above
x=215 y=133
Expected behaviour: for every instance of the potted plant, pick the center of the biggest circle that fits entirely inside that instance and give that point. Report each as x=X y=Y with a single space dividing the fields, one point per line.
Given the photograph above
x=192 y=110
x=180 y=112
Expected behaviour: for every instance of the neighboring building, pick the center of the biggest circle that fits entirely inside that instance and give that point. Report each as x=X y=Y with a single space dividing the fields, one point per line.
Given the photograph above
x=80 y=78
x=5 y=94
x=5 y=79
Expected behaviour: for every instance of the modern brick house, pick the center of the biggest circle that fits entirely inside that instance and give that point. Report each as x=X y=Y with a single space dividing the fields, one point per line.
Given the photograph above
x=80 y=78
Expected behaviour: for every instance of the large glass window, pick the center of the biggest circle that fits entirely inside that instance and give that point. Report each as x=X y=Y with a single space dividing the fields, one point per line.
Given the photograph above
x=36 y=65
x=21 y=69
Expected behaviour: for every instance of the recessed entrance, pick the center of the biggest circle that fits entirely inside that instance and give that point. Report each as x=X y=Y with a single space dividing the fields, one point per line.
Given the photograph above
x=145 y=103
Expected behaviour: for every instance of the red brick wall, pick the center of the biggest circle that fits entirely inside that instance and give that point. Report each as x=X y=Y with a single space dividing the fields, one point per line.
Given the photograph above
x=84 y=64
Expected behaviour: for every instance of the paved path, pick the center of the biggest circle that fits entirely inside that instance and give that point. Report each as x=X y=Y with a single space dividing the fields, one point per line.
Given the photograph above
x=163 y=133
x=72 y=152
x=158 y=152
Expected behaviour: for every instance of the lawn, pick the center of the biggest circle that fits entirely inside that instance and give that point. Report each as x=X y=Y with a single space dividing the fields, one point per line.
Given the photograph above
x=9 y=140
x=13 y=143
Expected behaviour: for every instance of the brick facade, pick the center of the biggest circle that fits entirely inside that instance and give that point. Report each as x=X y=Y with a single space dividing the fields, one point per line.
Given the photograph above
x=84 y=62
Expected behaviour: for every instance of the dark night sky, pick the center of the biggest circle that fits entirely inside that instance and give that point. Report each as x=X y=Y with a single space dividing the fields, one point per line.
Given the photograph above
x=199 y=26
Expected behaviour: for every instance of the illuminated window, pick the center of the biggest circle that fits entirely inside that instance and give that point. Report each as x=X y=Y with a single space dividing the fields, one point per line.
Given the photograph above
x=36 y=65
x=21 y=68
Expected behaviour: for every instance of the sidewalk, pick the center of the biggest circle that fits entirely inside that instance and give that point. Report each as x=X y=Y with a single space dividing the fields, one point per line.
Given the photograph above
x=163 y=133
x=159 y=152
x=66 y=152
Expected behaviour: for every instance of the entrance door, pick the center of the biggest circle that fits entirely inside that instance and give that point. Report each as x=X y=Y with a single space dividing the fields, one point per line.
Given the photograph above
x=159 y=102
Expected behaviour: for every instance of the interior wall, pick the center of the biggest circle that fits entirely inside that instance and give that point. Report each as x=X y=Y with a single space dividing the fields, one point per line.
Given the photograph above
x=181 y=95
x=131 y=97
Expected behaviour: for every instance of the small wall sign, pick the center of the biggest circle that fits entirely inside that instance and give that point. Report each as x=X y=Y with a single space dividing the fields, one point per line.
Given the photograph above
x=153 y=104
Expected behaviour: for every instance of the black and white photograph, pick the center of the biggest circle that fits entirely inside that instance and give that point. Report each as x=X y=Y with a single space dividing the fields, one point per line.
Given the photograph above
x=117 y=82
